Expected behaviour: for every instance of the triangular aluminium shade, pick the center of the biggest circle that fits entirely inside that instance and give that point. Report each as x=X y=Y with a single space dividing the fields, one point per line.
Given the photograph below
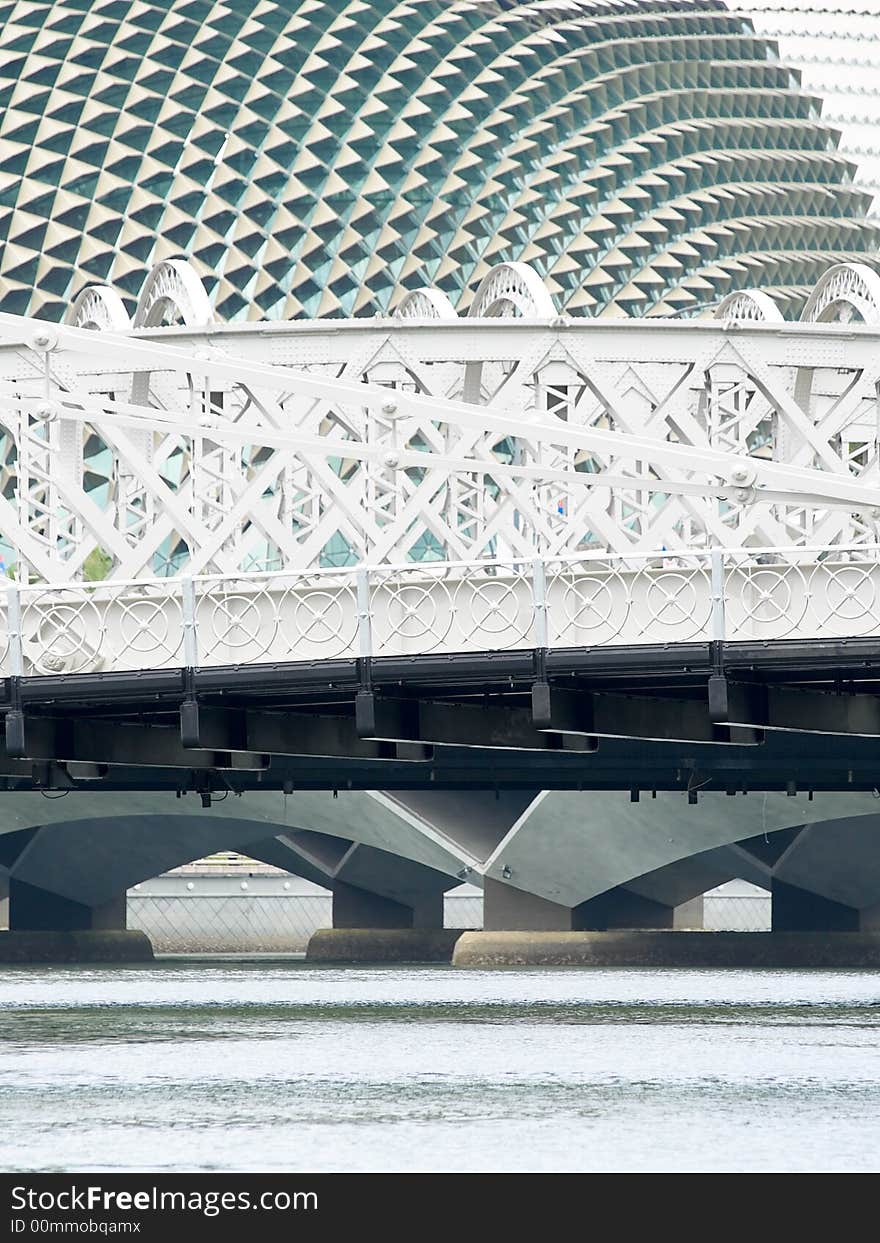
x=603 y=141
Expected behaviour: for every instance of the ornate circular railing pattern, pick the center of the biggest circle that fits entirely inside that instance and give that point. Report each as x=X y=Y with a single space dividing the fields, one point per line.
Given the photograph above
x=447 y=607
x=149 y=625
x=412 y=609
x=63 y=632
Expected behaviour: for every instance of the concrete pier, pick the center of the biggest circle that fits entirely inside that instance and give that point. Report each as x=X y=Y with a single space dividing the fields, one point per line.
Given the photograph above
x=800 y=910
x=74 y=947
x=354 y=907
x=34 y=909
x=854 y=950
x=506 y=908
x=383 y=945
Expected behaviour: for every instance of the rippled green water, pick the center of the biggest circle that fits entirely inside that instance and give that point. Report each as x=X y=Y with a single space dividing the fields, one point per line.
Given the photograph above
x=246 y=1065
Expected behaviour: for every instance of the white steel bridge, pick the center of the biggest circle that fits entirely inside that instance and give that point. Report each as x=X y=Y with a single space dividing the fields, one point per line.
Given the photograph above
x=395 y=554
x=179 y=492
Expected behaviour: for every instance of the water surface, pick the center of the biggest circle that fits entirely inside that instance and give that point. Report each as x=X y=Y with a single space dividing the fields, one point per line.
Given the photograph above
x=207 y=1065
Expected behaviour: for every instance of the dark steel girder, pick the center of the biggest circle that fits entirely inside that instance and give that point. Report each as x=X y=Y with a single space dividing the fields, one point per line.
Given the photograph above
x=805 y=711
x=419 y=716
x=637 y=716
x=634 y=670
x=97 y=742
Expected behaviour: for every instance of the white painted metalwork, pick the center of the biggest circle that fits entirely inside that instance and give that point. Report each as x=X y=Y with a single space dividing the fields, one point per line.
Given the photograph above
x=847 y=291
x=594 y=600
x=173 y=293
x=261 y=462
x=749 y=304
x=512 y=289
x=427 y=303
x=290 y=446
x=99 y=307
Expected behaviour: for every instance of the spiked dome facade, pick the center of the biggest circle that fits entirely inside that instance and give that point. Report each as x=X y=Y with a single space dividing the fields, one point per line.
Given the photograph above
x=324 y=157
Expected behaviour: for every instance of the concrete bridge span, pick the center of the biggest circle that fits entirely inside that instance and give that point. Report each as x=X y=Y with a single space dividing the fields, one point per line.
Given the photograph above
x=597 y=859
x=69 y=866
x=548 y=861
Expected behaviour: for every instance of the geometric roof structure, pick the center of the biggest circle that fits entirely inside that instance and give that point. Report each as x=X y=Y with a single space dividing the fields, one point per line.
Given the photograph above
x=320 y=158
x=835 y=48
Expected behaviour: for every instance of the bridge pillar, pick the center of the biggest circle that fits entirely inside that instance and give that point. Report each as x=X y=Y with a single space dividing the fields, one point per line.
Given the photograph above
x=42 y=926
x=621 y=908
x=369 y=927
x=506 y=908
x=798 y=910
x=4 y=900
x=354 y=907
x=32 y=909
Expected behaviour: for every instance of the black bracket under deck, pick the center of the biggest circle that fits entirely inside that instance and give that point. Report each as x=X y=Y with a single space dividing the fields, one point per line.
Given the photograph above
x=15 y=740
x=717 y=688
x=190 y=734
x=364 y=700
x=541 y=714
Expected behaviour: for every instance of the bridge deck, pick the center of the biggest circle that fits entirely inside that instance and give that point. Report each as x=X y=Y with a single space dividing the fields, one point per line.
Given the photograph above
x=638 y=717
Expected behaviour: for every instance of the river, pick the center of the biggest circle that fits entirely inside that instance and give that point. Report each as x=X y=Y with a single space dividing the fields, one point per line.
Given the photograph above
x=209 y=1065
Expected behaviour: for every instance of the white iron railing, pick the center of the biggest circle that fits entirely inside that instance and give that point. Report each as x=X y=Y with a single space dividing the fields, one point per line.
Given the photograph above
x=596 y=600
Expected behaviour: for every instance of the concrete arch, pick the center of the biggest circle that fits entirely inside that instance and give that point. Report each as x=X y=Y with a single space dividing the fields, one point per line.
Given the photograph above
x=846 y=292
x=832 y=861
x=91 y=862
x=88 y=847
x=554 y=852
x=749 y=304
x=99 y=308
x=425 y=303
x=173 y=291
x=632 y=863
x=512 y=290
x=568 y=848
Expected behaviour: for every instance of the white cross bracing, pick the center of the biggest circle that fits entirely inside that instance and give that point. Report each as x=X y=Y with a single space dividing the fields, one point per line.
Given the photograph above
x=233 y=449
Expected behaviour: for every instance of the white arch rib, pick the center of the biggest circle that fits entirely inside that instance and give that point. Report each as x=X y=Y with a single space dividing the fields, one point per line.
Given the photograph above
x=749 y=304
x=424 y=303
x=173 y=291
x=845 y=292
x=100 y=308
x=512 y=290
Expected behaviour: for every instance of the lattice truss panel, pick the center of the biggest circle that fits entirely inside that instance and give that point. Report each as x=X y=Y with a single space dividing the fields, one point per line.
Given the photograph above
x=231 y=450
x=326 y=157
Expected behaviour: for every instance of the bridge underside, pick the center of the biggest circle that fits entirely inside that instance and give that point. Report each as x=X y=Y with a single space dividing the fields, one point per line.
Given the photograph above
x=548 y=861
x=596 y=790
x=694 y=717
